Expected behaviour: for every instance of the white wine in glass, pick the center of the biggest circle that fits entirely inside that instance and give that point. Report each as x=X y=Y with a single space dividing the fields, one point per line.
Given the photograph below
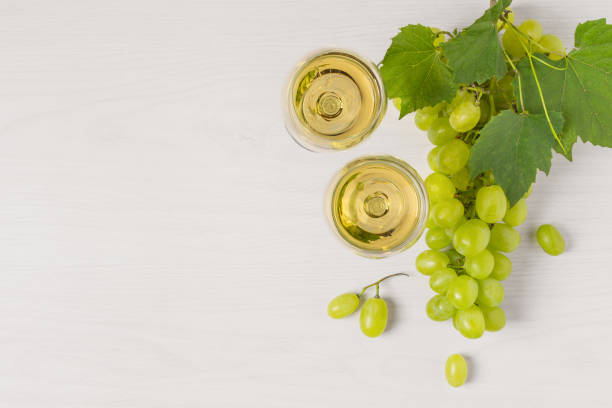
x=377 y=205
x=334 y=100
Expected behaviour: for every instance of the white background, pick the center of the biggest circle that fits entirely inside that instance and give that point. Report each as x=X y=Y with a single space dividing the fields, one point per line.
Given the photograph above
x=163 y=242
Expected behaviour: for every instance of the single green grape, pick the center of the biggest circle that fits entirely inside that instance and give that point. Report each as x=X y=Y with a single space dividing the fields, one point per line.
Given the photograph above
x=472 y=237
x=456 y=370
x=436 y=238
x=461 y=179
x=509 y=17
x=491 y=204
x=462 y=292
x=465 y=116
x=485 y=112
x=502 y=268
x=490 y=292
x=432 y=158
x=447 y=213
x=517 y=214
x=429 y=261
x=459 y=97
x=439 y=309
x=495 y=318
x=441 y=131
x=397 y=102
x=470 y=322
x=532 y=28
x=453 y=156
x=480 y=265
x=550 y=239
x=504 y=238
x=439 y=187
x=514 y=44
x=343 y=305
x=552 y=46
x=373 y=319
x=441 y=279
x=423 y=118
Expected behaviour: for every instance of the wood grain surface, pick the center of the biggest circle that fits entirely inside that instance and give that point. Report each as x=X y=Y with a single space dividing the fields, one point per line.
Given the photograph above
x=163 y=241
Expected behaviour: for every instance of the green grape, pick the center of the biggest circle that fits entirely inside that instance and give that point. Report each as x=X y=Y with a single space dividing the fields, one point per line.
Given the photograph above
x=470 y=322
x=532 y=28
x=343 y=305
x=453 y=156
x=504 y=238
x=456 y=370
x=516 y=215
x=459 y=97
x=472 y=237
x=397 y=102
x=430 y=261
x=480 y=265
x=432 y=158
x=485 y=112
x=491 y=204
x=373 y=319
x=447 y=213
x=528 y=193
x=423 y=118
x=552 y=46
x=461 y=179
x=441 y=131
x=462 y=292
x=439 y=309
x=440 y=280
x=436 y=238
x=502 y=268
x=514 y=44
x=509 y=16
x=440 y=38
x=439 y=187
x=465 y=116
x=490 y=292
x=451 y=231
x=495 y=318
x=550 y=239
x=454 y=257
x=430 y=223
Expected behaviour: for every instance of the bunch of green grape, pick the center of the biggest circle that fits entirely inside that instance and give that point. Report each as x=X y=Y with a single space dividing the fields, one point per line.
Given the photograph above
x=471 y=224
x=528 y=37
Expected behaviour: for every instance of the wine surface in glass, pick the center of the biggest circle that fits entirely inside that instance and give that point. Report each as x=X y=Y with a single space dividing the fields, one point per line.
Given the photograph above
x=336 y=100
x=378 y=205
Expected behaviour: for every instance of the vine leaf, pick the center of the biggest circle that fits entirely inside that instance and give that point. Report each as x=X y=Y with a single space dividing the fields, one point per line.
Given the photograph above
x=514 y=146
x=413 y=70
x=581 y=87
x=475 y=54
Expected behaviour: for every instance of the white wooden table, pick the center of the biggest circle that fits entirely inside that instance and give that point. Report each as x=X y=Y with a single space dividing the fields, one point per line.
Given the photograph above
x=162 y=239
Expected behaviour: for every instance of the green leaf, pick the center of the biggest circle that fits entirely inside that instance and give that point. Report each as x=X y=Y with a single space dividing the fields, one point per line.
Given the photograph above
x=476 y=55
x=513 y=146
x=581 y=90
x=413 y=70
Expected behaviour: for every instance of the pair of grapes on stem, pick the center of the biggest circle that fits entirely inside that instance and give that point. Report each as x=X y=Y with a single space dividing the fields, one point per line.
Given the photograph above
x=374 y=312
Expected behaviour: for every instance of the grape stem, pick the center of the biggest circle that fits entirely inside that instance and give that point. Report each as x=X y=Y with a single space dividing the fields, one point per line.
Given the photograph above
x=445 y=32
x=518 y=77
x=377 y=283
